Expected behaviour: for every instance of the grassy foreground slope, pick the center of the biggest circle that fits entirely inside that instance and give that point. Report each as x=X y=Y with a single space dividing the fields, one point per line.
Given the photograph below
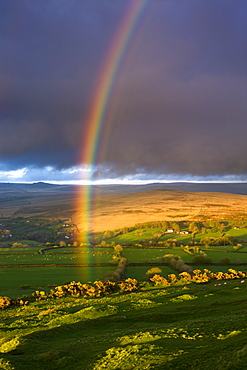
x=197 y=326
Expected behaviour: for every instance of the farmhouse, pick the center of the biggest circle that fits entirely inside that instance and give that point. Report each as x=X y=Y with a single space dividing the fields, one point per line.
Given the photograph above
x=169 y=231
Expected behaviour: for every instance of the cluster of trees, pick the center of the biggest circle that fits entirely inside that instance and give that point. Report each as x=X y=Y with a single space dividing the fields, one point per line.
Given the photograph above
x=152 y=225
x=223 y=240
x=193 y=227
x=38 y=229
x=165 y=225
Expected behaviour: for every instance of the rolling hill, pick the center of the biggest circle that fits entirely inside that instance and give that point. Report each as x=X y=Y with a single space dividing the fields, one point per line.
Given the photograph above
x=117 y=206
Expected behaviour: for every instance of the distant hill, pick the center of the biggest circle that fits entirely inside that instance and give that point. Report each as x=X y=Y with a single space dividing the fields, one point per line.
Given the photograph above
x=33 y=187
x=231 y=188
x=124 y=210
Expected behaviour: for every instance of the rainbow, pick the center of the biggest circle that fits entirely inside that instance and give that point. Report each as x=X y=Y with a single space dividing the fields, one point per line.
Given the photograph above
x=101 y=101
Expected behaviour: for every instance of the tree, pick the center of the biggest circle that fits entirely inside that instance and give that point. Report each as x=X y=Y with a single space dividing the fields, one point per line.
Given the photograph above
x=176 y=227
x=118 y=249
x=107 y=234
x=169 y=243
x=222 y=228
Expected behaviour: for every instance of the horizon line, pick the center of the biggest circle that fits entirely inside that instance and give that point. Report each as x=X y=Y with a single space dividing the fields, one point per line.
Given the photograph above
x=123 y=182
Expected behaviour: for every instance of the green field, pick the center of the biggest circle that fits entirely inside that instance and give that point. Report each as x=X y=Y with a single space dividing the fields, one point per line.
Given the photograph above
x=11 y=279
x=55 y=256
x=65 y=264
x=196 y=326
x=192 y=327
x=57 y=265
x=234 y=257
x=226 y=248
x=139 y=272
x=151 y=254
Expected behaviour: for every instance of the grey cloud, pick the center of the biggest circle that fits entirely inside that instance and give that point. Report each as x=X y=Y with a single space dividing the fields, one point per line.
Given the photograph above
x=179 y=99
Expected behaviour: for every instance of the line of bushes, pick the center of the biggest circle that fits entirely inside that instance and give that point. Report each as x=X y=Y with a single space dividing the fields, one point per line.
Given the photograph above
x=198 y=277
x=100 y=288
x=97 y=289
x=119 y=272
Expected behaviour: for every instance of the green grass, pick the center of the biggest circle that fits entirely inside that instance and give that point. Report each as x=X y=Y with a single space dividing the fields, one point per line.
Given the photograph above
x=135 y=236
x=199 y=236
x=238 y=233
x=140 y=255
x=139 y=272
x=12 y=278
x=151 y=254
x=20 y=250
x=185 y=239
x=200 y=327
x=227 y=248
x=52 y=258
x=234 y=257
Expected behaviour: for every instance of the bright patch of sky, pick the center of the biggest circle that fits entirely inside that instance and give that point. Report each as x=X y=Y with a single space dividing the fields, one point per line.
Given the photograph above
x=83 y=175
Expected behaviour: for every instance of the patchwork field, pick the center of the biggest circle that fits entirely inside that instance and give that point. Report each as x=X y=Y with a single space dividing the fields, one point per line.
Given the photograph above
x=184 y=326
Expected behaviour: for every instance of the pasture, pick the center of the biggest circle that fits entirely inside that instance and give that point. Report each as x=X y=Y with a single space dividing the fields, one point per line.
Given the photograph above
x=17 y=281
x=21 y=266
x=136 y=255
x=178 y=327
x=197 y=326
x=25 y=269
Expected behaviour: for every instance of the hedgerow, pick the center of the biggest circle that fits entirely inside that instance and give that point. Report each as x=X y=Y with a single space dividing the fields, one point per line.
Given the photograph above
x=96 y=289
x=198 y=277
x=100 y=288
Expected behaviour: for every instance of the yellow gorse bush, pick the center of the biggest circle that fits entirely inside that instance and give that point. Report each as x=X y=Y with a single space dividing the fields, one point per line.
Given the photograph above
x=100 y=288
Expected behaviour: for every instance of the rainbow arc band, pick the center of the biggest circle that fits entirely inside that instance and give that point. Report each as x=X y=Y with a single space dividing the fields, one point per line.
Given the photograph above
x=101 y=101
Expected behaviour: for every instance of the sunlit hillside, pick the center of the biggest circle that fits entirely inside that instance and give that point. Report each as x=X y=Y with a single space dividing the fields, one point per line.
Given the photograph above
x=124 y=210
x=122 y=206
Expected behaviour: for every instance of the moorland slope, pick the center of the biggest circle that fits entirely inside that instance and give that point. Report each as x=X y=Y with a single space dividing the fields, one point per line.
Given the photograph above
x=124 y=205
x=124 y=210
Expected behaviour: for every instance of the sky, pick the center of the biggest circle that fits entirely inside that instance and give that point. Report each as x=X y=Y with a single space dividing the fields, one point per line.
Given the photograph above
x=177 y=106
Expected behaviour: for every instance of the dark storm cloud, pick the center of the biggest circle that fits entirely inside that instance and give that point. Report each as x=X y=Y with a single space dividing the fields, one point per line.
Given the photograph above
x=179 y=100
x=52 y=52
